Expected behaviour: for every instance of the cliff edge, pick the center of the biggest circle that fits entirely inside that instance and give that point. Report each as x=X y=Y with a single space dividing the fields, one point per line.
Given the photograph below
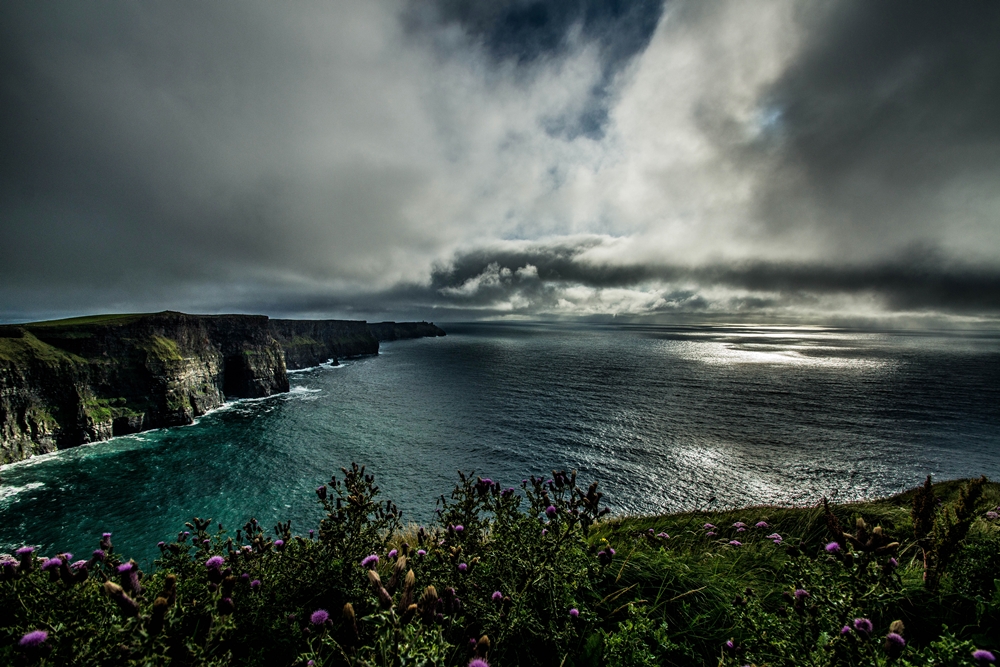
x=70 y=382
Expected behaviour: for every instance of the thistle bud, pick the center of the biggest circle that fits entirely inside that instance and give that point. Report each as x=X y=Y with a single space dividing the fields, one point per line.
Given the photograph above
x=408 y=615
x=897 y=627
x=121 y=598
x=384 y=598
x=482 y=647
x=375 y=580
x=226 y=606
x=155 y=624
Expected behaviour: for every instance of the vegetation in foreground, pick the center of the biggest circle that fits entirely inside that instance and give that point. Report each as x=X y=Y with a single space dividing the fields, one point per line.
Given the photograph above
x=532 y=577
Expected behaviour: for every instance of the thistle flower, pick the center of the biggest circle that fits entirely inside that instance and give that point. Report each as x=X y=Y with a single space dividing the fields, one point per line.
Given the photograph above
x=462 y=567
x=992 y=516
x=710 y=534
x=319 y=617
x=729 y=645
x=663 y=536
x=893 y=563
x=98 y=555
x=983 y=657
x=78 y=564
x=550 y=511
x=106 y=541
x=741 y=529
x=545 y=531
x=321 y=492
x=392 y=554
x=801 y=594
x=279 y=544
x=846 y=630
x=863 y=626
x=832 y=548
x=421 y=552
x=739 y=524
x=497 y=596
x=369 y=561
x=51 y=564
x=761 y=524
x=894 y=644
x=255 y=584
x=33 y=639
x=478 y=662
x=708 y=526
x=311 y=533
x=215 y=562
x=735 y=543
x=574 y=612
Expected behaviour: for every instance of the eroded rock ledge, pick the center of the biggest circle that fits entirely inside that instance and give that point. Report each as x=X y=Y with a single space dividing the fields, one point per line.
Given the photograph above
x=70 y=382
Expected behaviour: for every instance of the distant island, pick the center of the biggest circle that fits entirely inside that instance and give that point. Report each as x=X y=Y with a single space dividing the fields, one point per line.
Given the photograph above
x=68 y=382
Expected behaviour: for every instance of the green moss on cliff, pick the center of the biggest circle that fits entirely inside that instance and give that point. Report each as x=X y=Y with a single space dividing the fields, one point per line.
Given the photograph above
x=164 y=349
x=27 y=348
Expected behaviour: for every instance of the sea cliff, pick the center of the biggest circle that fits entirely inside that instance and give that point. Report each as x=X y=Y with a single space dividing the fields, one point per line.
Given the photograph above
x=71 y=382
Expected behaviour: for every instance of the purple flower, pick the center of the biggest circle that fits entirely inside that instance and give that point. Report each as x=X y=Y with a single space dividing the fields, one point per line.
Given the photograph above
x=708 y=526
x=215 y=562
x=545 y=531
x=846 y=630
x=25 y=551
x=462 y=567
x=574 y=612
x=392 y=554
x=894 y=639
x=993 y=516
x=33 y=639
x=279 y=544
x=663 y=536
x=245 y=577
x=255 y=584
x=801 y=594
x=125 y=568
x=740 y=529
x=51 y=564
x=739 y=524
x=729 y=645
x=833 y=548
x=206 y=542
x=311 y=533
x=761 y=524
x=459 y=529
x=479 y=662
x=863 y=625
x=66 y=556
x=421 y=552
x=981 y=656
x=735 y=543
x=370 y=561
x=319 y=617
x=98 y=554
x=710 y=534
x=611 y=551
x=321 y=492
x=161 y=544
x=893 y=563
x=550 y=511
x=497 y=596
x=78 y=564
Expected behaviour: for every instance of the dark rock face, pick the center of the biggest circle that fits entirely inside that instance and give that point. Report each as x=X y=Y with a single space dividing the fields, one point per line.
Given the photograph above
x=71 y=382
x=386 y=331
x=312 y=342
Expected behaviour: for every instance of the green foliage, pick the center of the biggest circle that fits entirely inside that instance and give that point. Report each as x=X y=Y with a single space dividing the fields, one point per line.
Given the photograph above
x=526 y=577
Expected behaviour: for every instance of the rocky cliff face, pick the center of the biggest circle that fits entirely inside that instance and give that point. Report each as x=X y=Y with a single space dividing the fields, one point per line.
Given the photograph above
x=386 y=331
x=70 y=382
x=312 y=342
x=77 y=381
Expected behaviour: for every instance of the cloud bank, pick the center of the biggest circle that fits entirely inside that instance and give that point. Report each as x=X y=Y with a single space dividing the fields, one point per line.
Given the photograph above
x=457 y=159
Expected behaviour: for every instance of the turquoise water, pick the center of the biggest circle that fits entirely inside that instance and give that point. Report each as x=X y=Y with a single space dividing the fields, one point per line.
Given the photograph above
x=663 y=417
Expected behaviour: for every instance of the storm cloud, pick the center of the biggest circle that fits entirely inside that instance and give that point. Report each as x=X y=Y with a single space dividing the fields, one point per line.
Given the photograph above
x=457 y=159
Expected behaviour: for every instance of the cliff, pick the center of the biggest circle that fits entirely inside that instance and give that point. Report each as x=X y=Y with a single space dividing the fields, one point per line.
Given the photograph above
x=311 y=342
x=386 y=331
x=69 y=382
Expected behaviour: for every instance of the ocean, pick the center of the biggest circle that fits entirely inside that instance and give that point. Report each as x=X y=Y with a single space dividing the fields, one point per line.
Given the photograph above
x=666 y=418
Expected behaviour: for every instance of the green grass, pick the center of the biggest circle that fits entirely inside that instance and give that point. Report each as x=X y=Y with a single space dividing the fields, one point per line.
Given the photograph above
x=28 y=348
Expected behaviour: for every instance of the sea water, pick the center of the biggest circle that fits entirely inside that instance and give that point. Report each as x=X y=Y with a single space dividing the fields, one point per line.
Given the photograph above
x=665 y=418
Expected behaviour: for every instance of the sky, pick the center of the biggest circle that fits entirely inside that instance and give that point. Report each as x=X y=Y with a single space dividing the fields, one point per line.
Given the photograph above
x=768 y=161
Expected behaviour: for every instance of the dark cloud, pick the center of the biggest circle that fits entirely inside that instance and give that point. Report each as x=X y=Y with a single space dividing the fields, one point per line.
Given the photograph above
x=890 y=108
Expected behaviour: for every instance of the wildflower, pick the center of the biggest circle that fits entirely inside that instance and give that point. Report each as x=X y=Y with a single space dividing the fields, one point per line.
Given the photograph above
x=462 y=567
x=479 y=662
x=215 y=562
x=161 y=544
x=319 y=617
x=279 y=544
x=735 y=543
x=761 y=524
x=369 y=561
x=321 y=492
x=708 y=526
x=992 y=516
x=611 y=551
x=421 y=552
x=983 y=657
x=846 y=630
x=574 y=612
x=497 y=596
x=98 y=555
x=545 y=531
x=392 y=554
x=311 y=533
x=245 y=577
x=106 y=541
x=33 y=639
x=710 y=534
x=663 y=536
x=893 y=563
x=739 y=524
x=255 y=584
x=550 y=511
x=801 y=594
x=729 y=645
x=894 y=644
x=459 y=528
x=206 y=542
x=51 y=564
x=833 y=548
x=863 y=626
